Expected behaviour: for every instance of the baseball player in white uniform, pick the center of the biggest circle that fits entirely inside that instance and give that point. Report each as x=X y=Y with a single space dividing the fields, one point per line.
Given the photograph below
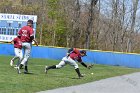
x=72 y=57
x=18 y=50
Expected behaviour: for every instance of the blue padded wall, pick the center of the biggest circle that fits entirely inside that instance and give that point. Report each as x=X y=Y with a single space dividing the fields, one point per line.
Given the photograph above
x=37 y=52
x=98 y=57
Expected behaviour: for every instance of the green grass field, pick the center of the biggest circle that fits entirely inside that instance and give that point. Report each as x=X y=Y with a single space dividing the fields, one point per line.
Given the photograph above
x=11 y=82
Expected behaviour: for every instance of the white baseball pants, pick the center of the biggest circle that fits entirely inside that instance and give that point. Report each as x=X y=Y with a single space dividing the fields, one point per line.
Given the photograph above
x=18 y=55
x=67 y=60
x=27 y=50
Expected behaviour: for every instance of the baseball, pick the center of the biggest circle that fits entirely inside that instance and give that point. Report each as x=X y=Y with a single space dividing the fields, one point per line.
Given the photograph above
x=92 y=73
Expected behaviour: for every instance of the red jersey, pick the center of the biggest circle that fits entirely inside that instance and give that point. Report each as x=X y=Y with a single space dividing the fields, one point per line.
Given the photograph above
x=17 y=43
x=26 y=32
x=76 y=51
x=75 y=55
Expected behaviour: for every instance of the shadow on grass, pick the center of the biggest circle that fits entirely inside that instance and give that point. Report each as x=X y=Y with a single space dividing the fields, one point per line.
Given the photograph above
x=76 y=78
x=29 y=73
x=60 y=76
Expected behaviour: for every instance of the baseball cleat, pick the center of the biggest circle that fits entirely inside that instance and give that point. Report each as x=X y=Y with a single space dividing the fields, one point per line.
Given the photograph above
x=81 y=76
x=17 y=67
x=11 y=63
x=18 y=70
x=25 y=72
x=46 y=69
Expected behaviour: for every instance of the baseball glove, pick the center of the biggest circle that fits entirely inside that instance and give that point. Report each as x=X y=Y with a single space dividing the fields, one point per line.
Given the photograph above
x=90 y=66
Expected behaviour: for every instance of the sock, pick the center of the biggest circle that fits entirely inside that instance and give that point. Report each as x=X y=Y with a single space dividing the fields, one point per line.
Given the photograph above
x=78 y=72
x=26 y=69
x=51 y=67
x=20 y=66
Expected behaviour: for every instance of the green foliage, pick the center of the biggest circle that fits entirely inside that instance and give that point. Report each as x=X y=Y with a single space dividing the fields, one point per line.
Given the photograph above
x=5 y=6
x=60 y=29
x=58 y=22
x=52 y=6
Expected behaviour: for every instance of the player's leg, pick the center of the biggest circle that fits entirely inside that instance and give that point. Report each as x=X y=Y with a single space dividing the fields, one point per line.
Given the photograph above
x=20 y=56
x=27 y=49
x=19 y=65
x=12 y=60
x=75 y=65
x=49 y=67
x=60 y=65
x=15 y=57
x=24 y=62
x=26 y=67
x=27 y=52
x=78 y=72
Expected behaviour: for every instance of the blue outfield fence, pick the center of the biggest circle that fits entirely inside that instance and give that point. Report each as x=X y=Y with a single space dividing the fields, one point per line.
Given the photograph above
x=98 y=57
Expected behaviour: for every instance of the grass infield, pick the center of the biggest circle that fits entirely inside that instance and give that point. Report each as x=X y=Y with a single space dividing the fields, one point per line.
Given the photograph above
x=11 y=82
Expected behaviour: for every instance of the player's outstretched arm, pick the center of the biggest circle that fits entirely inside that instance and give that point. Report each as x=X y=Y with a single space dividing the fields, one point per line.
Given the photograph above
x=84 y=64
x=87 y=66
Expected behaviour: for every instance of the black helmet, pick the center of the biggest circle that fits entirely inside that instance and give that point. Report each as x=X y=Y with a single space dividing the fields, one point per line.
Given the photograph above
x=83 y=52
x=30 y=21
